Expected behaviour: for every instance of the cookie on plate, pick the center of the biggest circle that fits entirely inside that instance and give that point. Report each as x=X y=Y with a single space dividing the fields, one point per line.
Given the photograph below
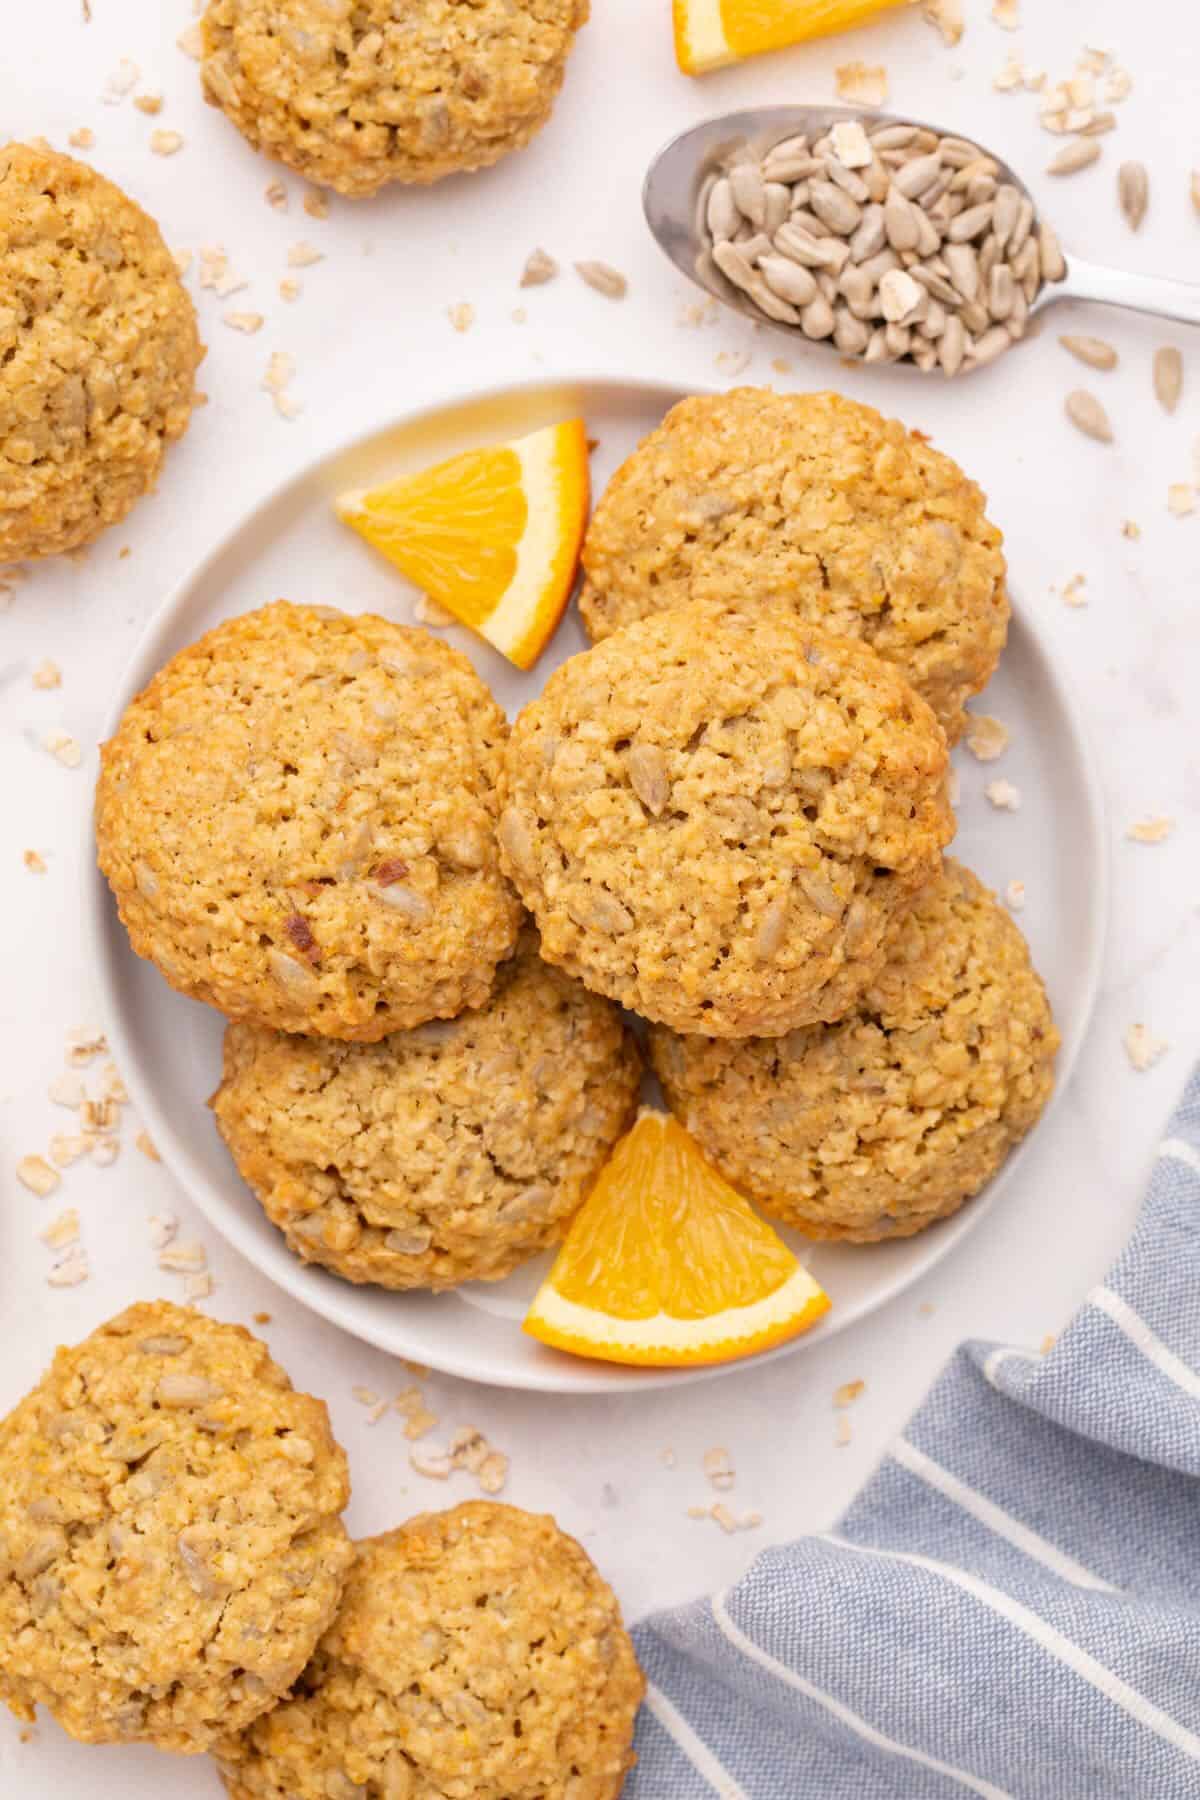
x=98 y=352
x=818 y=501
x=477 y=1655
x=170 y=1541
x=716 y=819
x=875 y=1127
x=445 y=1154
x=356 y=95
x=297 y=819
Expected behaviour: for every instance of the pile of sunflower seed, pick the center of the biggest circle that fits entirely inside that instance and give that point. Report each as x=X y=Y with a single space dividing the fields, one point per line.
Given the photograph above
x=896 y=243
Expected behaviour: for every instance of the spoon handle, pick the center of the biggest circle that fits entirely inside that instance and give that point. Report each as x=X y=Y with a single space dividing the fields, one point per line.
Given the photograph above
x=1117 y=287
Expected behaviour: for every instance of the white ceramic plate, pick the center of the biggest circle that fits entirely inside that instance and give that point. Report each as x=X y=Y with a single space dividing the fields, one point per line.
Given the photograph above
x=168 y=1048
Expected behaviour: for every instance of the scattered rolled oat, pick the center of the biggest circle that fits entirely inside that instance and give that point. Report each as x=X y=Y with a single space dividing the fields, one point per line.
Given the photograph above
x=149 y=1149
x=848 y=1393
x=861 y=84
x=987 y=738
x=781 y=365
x=198 y=1287
x=71 y=1270
x=1007 y=14
x=303 y=256
x=718 y=1466
x=82 y=139
x=166 y=143
x=104 y=1151
x=122 y=81
x=63 y=748
x=1011 y=76
x=1181 y=498
x=733 y=362
x=427 y=612
x=1014 y=896
x=216 y=273
x=843 y=1433
x=68 y=1090
x=34 y=862
x=1153 y=830
x=365 y=1396
x=248 y=322
x=183 y=1259
x=603 y=278
x=191 y=42
x=84 y=1042
x=1004 y=796
x=35 y=1173
x=182 y=260
x=276 y=195
x=280 y=369
x=540 y=267
x=290 y=288
x=148 y=103
x=947 y=17
x=47 y=674
x=66 y=1147
x=1073 y=591
x=461 y=315
x=418 y=1420
x=721 y=1515
x=163 y=1227
x=1142 y=1048
x=63 y=1230
x=316 y=204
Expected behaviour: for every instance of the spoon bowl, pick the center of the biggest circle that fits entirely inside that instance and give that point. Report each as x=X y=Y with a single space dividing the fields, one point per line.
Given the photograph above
x=681 y=177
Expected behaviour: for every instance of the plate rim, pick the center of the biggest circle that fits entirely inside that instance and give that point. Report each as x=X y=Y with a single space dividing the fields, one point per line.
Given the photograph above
x=106 y=942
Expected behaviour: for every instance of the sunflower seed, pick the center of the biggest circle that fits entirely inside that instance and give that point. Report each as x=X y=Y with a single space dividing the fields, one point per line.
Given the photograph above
x=788 y=279
x=1087 y=415
x=1021 y=229
x=1091 y=350
x=903 y=300
x=917 y=175
x=892 y=137
x=816 y=321
x=952 y=346
x=749 y=193
x=1133 y=192
x=722 y=213
x=870 y=236
x=988 y=347
x=847 y=180
x=1004 y=212
x=793 y=241
x=1053 y=263
x=900 y=221
x=836 y=209
x=605 y=279
x=1079 y=154
x=898 y=339
x=778 y=205
x=1001 y=291
x=970 y=224
x=541 y=267
x=1168 y=377
x=850 y=334
x=963 y=264
x=957 y=153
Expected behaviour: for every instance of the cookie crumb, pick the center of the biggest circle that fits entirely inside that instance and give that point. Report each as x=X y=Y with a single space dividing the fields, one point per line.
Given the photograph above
x=145 y=1143
x=198 y=1287
x=47 y=674
x=947 y=17
x=34 y=862
x=276 y=195
x=261 y=1318
x=1181 y=499
x=191 y=42
x=148 y=103
x=290 y=289
x=667 y=1458
x=926 y=1309
x=718 y=1466
x=540 y=267
x=1152 y=830
x=166 y=143
x=1131 y=529
x=303 y=255
x=848 y=1393
x=1007 y=14
x=1142 y=1048
x=1073 y=591
x=122 y=81
x=461 y=316
x=733 y=362
x=843 y=1433
x=316 y=204
x=247 y=322
x=1047 y=1344
x=82 y=139
x=1014 y=896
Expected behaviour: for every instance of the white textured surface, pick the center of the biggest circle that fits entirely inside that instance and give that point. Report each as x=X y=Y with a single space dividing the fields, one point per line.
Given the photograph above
x=372 y=324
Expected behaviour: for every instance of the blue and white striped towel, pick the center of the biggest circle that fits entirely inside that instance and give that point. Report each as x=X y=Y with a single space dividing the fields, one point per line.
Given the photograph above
x=1010 y=1608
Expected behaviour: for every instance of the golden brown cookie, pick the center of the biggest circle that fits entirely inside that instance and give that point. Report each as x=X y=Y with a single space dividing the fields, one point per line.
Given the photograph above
x=450 y=1153
x=477 y=1655
x=817 y=501
x=297 y=819
x=355 y=95
x=877 y=1126
x=716 y=819
x=98 y=352
x=170 y=1541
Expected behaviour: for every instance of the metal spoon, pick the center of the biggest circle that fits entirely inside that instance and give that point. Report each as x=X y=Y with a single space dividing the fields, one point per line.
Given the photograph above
x=678 y=180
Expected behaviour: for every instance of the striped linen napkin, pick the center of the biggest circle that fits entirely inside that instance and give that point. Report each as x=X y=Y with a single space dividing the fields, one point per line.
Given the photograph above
x=1011 y=1607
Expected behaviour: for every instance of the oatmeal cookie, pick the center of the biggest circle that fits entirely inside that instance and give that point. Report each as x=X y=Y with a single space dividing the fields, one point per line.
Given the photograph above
x=170 y=1542
x=98 y=352
x=445 y=1154
x=356 y=93
x=297 y=819
x=477 y=1655
x=875 y=1127
x=822 y=503
x=716 y=819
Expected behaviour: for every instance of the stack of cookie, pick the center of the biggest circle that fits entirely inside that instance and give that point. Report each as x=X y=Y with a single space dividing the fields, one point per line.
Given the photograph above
x=730 y=814
x=174 y=1571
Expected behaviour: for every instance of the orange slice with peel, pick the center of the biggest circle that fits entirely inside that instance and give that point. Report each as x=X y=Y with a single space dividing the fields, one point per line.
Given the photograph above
x=493 y=534
x=710 y=34
x=667 y=1266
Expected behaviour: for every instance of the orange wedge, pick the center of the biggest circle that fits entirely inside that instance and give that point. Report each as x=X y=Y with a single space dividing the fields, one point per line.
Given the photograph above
x=709 y=34
x=493 y=535
x=666 y=1265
